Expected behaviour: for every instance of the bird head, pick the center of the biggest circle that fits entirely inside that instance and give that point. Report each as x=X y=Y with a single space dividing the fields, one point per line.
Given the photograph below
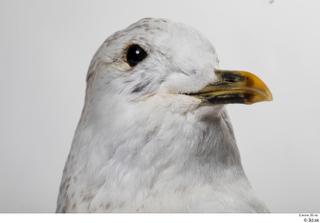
x=160 y=62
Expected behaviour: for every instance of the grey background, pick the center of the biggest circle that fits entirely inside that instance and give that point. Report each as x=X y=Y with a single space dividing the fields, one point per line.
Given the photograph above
x=46 y=48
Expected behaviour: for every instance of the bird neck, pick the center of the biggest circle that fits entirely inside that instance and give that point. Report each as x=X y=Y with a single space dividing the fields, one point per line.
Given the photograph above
x=166 y=157
x=204 y=147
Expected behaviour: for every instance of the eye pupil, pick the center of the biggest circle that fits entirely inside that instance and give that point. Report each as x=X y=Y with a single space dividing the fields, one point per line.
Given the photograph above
x=135 y=54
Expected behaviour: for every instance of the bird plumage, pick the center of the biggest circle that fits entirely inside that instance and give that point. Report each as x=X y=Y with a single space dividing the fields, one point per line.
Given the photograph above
x=142 y=145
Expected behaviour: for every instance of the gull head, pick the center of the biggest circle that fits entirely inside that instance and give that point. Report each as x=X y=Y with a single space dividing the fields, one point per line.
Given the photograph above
x=165 y=66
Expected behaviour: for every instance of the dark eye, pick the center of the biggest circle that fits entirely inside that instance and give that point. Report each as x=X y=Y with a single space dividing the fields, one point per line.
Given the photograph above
x=135 y=54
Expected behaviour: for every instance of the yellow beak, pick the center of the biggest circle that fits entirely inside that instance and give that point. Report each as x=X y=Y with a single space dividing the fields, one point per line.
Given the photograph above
x=234 y=87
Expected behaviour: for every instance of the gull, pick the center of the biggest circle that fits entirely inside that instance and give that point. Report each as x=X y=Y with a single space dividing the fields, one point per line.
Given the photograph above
x=154 y=134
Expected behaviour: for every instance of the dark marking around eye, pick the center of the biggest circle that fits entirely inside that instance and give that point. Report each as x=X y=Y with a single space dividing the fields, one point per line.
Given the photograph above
x=140 y=87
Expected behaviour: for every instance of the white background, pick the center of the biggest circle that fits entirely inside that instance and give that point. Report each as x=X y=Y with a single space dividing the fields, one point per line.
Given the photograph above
x=46 y=48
